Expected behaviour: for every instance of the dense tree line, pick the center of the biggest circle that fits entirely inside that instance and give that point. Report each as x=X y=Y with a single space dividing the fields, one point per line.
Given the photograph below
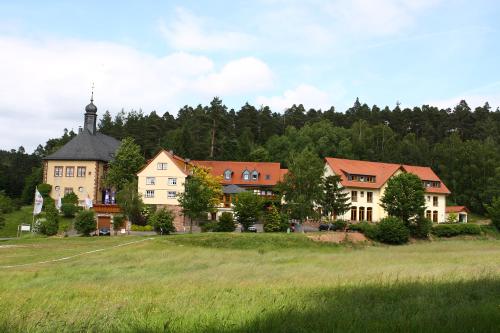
x=460 y=144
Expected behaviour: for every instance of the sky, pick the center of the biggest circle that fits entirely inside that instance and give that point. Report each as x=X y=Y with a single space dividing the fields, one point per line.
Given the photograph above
x=162 y=55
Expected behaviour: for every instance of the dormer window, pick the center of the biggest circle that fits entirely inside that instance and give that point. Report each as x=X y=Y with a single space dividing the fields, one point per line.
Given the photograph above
x=255 y=175
x=268 y=177
x=228 y=174
x=246 y=175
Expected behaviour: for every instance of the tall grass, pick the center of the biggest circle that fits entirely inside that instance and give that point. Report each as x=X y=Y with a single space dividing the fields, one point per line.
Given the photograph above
x=223 y=284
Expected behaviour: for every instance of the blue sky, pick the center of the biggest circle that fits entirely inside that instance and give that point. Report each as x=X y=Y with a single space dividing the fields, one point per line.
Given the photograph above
x=161 y=55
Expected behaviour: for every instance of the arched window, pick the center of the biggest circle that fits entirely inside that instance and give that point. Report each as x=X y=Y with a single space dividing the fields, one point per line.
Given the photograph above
x=354 y=213
x=435 y=216
x=361 y=213
x=369 y=213
x=255 y=175
x=246 y=175
x=228 y=174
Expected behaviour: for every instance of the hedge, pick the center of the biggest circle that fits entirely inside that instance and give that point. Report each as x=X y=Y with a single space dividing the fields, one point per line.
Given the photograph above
x=451 y=230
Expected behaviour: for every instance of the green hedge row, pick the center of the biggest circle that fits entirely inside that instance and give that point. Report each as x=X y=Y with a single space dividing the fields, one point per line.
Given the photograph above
x=451 y=230
x=136 y=227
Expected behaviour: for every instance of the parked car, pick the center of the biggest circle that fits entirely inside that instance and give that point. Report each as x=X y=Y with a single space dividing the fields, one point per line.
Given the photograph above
x=325 y=227
x=252 y=228
x=104 y=232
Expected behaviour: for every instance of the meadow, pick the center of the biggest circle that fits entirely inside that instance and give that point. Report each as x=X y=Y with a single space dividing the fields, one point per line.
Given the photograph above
x=247 y=283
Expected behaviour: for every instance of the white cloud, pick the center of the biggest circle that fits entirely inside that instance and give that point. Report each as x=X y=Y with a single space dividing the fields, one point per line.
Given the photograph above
x=189 y=32
x=46 y=84
x=307 y=95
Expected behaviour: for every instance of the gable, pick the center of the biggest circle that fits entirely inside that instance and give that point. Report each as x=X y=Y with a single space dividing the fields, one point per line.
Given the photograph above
x=174 y=166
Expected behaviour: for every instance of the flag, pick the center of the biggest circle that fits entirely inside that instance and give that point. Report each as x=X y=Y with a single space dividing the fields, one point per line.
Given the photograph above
x=58 y=202
x=88 y=202
x=38 y=203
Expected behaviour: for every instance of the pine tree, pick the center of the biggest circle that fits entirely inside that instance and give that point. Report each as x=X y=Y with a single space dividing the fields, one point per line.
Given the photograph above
x=334 y=199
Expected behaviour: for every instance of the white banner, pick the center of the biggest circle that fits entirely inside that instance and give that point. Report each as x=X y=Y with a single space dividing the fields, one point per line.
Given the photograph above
x=38 y=203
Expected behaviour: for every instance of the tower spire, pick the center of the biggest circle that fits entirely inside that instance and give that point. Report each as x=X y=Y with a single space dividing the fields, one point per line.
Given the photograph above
x=92 y=94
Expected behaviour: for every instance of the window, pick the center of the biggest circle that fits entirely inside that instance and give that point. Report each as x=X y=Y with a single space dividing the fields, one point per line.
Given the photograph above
x=354 y=196
x=255 y=175
x=68 y=190
x=353 y=213
x=58 y=171
x=429 y=198
x=171 y=194
x=150 y=180
x=269 y=192
x=57 y=188
x=256 y=192
x=246 y=175
x=428 y=214
x=361 y=213
x=435 y=201
x=369 y=214
x=81 y=171
x=362 y=193
x=162 y=166
x=80 y=189
x=70 y=171
x=369 y=197
x=228 y=174
x=435 y=216
x=268 y=177
x=172 y=181
x=150 y=194
x=262 y=192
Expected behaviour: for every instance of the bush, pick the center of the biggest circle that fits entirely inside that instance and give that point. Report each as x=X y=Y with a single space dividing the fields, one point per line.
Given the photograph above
x=69 y=209
x=136 y=227
x=85 y=222
x=6 y=204
x=163 y=221
x=339 y=225
x=452 y=230
x=370 y=230
x=226 y=223
x=118 y=221
x=421 y=228
x=207 y=226
x=50 y=225
x=70 y=198
x=392 y=230
x=452 y=218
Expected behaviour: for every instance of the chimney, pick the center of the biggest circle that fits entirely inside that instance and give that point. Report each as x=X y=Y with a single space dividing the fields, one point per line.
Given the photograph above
x=186 y=162
x=171 y=152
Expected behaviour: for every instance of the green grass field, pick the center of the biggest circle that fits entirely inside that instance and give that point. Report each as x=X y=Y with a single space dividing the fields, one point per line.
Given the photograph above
x=248 y=283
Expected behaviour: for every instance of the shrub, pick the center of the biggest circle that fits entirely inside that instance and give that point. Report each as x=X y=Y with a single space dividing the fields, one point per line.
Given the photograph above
x=207 y=226
x=339 y=225
x=392 y=230
x=163 y=221
x=452 y=218
x=69 y=209
x=226 y=223
x=136 y=227
x=421 y=228
x=274 y=221
x=48 y=202
x=370 y=230
x=118 y=221
x=44 y=190
x=85 y=222
x=451 y=230
x=50 y=225
x=70 y=198
x=6 y=204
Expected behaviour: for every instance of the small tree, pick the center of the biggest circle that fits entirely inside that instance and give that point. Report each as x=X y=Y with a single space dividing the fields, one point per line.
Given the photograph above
x=118 y=221
x=226 y=223
x=125 y=164
x=50 y=225
x=452 y=218
x=392 y=230
x=494 y=212
x=274 y=221
x=69 y=209
x=247 y=209
x=162 y=221
x=334 y=199
x=130 y=202
x=404 y=197
x=70 y=198
x=85 y=222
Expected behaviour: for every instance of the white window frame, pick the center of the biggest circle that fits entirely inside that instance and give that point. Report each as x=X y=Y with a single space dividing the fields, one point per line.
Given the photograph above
x=255 y=175
x=58 y=171
x=227 y=174
x=171 y=194
x=81 y=171
x=161 y=166
x=246 y=175
x=149 y=194
x=150 y=180
x=172 y=181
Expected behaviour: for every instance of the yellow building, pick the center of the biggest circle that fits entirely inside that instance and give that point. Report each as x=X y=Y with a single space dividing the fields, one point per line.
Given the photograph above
x=79 y=166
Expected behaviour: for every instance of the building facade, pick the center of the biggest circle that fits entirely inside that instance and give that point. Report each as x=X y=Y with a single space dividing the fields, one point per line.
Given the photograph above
x=365 y=184
x=80 y=165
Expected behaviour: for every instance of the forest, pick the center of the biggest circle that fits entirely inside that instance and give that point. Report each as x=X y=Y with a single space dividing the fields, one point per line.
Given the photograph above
x=462 y=145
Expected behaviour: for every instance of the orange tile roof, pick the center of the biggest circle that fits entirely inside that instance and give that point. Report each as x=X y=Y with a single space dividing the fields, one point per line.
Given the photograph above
x=265 y=169
x=381 y=171
x=456 y=209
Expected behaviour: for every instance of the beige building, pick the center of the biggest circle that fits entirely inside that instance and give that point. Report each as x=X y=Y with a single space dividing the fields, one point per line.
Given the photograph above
x=79 y=166
x=365 y=183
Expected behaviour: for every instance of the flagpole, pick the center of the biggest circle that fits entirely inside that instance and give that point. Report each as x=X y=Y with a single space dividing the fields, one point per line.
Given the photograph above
x=33 y=214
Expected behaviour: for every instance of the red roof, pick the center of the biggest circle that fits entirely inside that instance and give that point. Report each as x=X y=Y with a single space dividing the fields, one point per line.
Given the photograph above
x=344 y=167
x=270 y=173
x=381 y=171
x=456 y=209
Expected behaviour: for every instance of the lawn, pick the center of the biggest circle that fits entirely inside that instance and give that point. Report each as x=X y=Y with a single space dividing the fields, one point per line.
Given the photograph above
x=248 y=283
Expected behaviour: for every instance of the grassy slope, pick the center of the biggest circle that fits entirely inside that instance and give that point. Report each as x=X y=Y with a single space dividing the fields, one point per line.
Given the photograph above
x=24 y=215
x=222 y=283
